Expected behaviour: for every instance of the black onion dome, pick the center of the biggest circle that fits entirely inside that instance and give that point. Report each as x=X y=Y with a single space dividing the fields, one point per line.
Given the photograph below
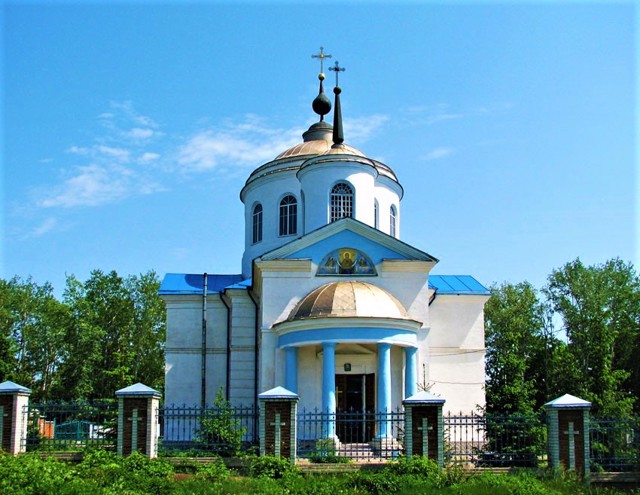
x=321 y=104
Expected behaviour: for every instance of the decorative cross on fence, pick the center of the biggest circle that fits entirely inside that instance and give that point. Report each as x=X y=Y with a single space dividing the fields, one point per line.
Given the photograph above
x=572 y=444
x=278 y=435
x=2 y=416
x=425 y=436
x=134 y=429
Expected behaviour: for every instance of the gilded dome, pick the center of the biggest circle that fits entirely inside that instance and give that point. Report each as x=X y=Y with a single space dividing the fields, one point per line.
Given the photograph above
x=349 y=299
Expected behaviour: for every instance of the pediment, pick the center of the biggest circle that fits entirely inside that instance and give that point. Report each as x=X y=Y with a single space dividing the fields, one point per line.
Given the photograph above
x=347 y=233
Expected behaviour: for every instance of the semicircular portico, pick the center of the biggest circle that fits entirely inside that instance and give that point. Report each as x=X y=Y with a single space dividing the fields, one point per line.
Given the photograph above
x=348 y=313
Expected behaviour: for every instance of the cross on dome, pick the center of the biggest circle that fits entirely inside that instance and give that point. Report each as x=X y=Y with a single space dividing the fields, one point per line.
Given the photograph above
x=321 y=56
x=337 y=69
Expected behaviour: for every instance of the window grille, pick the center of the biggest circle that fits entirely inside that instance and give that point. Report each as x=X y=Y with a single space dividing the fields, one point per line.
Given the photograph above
x=288 y=216
x=257 y=224
x=341 y=201
x=376 y=220
x=392 y=221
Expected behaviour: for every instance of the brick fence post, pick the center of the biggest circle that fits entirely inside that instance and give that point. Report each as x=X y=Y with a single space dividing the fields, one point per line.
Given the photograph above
x=14 y=400
x=138 y=407
x=424 y=427
x=278 y=423
x=568 y=434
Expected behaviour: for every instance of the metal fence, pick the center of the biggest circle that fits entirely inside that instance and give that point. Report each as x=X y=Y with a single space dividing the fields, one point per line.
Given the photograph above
x=364 y=436
x=495 y=441
x=216 y=430
x=474 y=440
x=71 y=426
x=615 y=444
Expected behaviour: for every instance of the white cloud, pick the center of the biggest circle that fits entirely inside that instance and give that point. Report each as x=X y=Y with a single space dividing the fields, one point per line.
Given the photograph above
x=119 y=154
x=438 y=153
x=432 y=114
x=90 y=186
x=248 y=143
x=140 y=133
x=94 y=185
x=148 y=157
x=45 y=227
x=78 y=150
x=363 y=128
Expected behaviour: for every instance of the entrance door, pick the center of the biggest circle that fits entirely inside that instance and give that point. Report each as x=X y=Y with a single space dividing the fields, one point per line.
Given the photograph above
x=355 y=407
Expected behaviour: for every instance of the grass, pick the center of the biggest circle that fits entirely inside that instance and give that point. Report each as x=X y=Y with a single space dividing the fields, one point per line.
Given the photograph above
x=103 y=473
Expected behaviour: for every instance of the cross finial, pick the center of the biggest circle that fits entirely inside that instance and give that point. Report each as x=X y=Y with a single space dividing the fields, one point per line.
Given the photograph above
x=337 y=69
x=321 y=56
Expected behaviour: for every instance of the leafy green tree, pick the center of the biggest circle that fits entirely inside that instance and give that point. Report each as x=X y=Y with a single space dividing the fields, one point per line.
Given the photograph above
x=32 y=342
x=600 y=308
x=117 y=334
x=517 y=345
x=149 y=334
x=7 y=347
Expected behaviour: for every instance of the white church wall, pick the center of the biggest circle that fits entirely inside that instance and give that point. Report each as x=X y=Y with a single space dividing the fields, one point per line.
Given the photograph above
x=268 y=346
x=243 y=352
x=269 y=191
x=458 y=321
x=317 y=181
x=386 y=198
x=183 y=369
x=309 y=378
x=458 y=376
x=456 y=350
x=397 y=377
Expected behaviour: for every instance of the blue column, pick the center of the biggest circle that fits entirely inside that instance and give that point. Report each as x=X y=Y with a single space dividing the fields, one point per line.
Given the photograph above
x=410 y=372
x=384 y=387
x=329 y=388
x=291 y=371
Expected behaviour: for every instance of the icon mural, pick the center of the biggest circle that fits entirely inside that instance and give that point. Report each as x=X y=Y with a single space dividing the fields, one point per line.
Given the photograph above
x=346 y=261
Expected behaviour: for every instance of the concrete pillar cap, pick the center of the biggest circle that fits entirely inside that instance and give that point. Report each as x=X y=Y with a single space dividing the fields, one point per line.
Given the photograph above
x=278 y=393
x=568 y=401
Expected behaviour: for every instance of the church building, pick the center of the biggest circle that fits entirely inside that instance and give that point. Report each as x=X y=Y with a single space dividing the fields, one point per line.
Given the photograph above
x=329 y=304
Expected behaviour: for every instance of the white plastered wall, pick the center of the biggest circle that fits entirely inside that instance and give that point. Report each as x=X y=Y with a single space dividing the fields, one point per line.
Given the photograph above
x=456 y=342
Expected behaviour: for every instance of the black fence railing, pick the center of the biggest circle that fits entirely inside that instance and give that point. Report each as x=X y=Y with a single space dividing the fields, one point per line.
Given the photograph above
x=215 y=430
x=369 y=436
x=615 y=444
x=73 y=426
x=475 y=440
x=495 y=441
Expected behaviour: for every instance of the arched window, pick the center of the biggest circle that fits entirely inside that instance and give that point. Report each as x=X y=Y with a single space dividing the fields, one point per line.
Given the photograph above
x=288 y=216
x=393 y=219
x=257 y=224
x=341 y=201
x=376 y=218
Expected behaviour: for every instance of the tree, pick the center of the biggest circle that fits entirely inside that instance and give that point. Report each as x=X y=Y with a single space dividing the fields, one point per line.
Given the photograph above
x=600 y=308
x=117 y=334
x=516 y=349
x=31 y=343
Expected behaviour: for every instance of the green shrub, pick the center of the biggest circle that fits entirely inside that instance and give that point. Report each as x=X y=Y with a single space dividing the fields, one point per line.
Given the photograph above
x=31 y=474
x=212 y=471
x=376 y=483
x=272 y=467
x=220 y=430
x=325 y=452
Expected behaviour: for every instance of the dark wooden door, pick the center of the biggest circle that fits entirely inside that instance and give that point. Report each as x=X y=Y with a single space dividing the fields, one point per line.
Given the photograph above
x=355 y=399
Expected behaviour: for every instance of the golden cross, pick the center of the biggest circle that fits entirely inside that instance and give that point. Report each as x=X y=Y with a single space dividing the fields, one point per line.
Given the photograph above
x=321 y=56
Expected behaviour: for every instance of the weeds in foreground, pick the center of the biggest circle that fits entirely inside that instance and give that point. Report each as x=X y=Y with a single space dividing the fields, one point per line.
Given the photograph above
x=103 y=473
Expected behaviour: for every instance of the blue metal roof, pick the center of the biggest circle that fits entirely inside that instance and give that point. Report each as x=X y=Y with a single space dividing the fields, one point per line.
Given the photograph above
x=185 y=283
x=457 y=284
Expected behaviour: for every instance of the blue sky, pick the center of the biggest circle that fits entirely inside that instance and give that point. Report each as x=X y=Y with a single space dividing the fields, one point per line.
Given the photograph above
x=129 y=128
